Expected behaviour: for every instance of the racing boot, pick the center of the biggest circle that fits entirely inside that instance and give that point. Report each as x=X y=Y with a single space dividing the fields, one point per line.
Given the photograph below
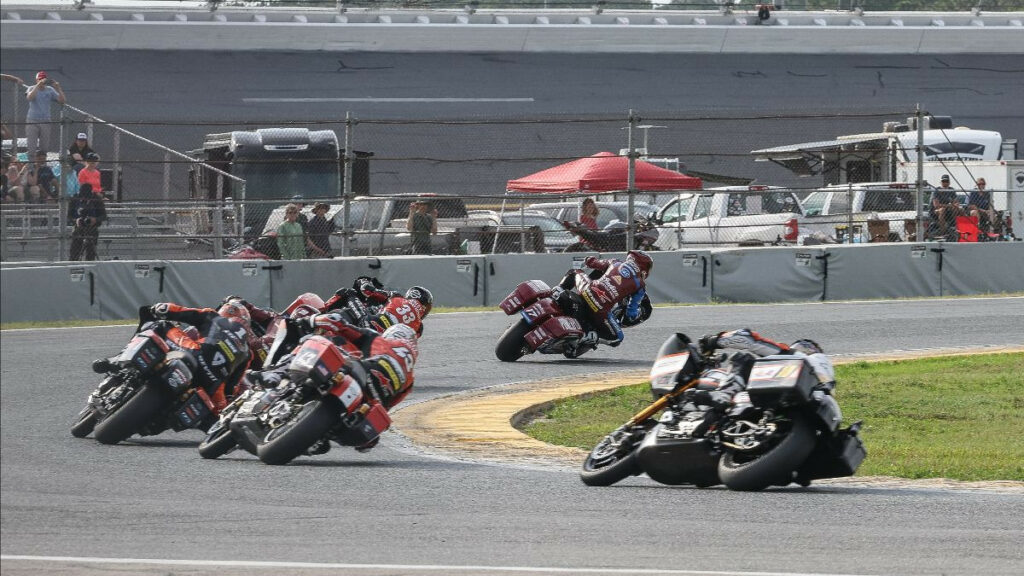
x=586 y=343
x=363 y=449
x=321 y=446
x=103 y=366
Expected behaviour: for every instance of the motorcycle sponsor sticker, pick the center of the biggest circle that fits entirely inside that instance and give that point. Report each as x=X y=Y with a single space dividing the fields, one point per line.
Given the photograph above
x=250 y=269
x=785 y=370
x=918 y=251
x=803 y=259
x=463 y=265
x=142 y=270
x=669 y=364
x=577 y=262
x=77 y=274
x=626 y=270
x=690 y=260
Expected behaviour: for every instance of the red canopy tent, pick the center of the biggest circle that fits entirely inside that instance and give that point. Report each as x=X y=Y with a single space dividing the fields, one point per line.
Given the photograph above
x=602 y=172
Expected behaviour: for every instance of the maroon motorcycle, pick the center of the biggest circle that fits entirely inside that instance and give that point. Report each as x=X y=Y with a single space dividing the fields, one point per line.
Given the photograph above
x=542 y=327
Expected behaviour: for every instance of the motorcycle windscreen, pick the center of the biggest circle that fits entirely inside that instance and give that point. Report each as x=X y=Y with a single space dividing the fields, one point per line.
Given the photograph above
x=309 y=300
x=781 y=380
x=523 y=295
x=674 y=365
x=144 y=351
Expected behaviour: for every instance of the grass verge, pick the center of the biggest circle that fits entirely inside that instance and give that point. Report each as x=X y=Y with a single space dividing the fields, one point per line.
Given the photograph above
x=959 y=417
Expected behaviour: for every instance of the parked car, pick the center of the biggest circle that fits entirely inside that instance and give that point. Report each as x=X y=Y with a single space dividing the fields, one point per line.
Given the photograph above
x=556 y=237
x=832 y=209
x=730 y=215
x=608 y=211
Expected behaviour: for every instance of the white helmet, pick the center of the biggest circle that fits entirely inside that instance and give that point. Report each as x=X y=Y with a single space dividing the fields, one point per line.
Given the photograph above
x=406 y=334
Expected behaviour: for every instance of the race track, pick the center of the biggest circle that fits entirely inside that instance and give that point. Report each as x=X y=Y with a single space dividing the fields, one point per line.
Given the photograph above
x=398 y=510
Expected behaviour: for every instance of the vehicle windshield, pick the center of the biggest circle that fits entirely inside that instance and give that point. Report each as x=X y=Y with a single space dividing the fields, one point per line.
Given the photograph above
x=265 y=180
x=815 y=203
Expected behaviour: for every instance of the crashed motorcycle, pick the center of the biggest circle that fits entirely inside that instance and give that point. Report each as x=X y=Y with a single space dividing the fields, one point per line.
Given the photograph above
x=612 y=238
x=319 y=400
x=151 y=388
x=731 y=419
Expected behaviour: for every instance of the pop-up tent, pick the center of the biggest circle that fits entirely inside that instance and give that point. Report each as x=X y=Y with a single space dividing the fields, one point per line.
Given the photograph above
x=602 y=172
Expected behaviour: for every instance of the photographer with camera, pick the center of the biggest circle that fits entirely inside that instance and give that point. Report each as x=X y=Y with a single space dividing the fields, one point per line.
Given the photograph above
x=41 y=96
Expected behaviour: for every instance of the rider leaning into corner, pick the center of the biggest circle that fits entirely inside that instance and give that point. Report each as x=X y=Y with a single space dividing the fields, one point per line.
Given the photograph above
x=387 y=358
x=222 y=360
x=618 y=298
x=389 y=308
x=751 y=345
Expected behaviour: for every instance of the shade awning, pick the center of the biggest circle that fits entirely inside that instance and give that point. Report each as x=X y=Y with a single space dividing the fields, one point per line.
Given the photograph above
x=602 y=172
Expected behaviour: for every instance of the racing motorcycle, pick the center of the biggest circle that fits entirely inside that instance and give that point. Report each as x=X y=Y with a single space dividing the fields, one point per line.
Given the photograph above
x=742 y=421
x=319 y=400
x=612 y=238
x=151 y=388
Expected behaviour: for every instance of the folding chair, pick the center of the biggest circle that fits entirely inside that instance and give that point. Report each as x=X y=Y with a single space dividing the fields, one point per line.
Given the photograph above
x=967 y=226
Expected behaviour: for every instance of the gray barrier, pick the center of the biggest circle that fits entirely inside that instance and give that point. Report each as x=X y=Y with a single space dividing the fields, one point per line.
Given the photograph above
x=115 y=289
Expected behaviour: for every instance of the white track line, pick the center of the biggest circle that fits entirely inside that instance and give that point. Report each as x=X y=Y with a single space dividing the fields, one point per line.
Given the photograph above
x=384 y=100
x=419 y=567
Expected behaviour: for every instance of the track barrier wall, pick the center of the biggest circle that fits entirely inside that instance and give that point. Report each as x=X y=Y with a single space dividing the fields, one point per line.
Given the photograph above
x=115 y=289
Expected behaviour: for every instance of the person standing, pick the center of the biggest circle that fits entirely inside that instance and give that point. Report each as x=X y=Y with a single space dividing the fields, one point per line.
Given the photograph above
x=320 y=229
x=589 y=213
x=41 y=97
x=420 y=224
x=290 y=240
x=88 y=214
x=979 y=205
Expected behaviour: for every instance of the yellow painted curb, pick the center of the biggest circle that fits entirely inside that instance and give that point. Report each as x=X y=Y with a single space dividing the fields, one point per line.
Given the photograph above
x=480 y=424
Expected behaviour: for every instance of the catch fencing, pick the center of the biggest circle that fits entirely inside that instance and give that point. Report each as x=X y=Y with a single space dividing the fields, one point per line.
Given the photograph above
x=188 y=191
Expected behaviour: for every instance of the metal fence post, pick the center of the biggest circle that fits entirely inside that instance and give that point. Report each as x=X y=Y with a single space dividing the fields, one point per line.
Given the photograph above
x=849 y=213
x=117 y=167
x=346 y=192
x=631 y=181
x=218 y=222
x=167 y=176
x=920 y=174
x=63 y=201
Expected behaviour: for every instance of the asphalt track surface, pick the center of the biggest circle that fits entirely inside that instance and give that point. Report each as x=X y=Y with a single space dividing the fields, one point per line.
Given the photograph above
x=402 y=509
x=188 y=89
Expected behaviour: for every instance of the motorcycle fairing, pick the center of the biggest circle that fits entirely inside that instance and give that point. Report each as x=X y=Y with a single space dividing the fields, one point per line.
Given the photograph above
x=553 y=329
x=145 y=351
x=317 y=359
x=307 y=300
x=540 y=311
x=524 y=295
x=781 y=380
x=348 y=392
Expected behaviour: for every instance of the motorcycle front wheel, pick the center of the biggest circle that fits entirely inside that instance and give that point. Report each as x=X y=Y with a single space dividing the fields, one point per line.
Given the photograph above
x=85 y=423
x=290 y=440
x=748 y=473
x=217 y=443
x=612 y=460
x=512 y=344
x=131 y=416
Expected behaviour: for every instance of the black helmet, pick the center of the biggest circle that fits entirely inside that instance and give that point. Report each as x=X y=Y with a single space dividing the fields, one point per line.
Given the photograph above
x=806 y=346
x=423 y=296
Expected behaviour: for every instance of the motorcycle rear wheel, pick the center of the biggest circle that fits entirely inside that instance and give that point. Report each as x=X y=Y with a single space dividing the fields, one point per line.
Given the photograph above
x=775 y=466
x=85 y=423
x=609 y=463
x=217 y=444
x=290 y=440
x=512 y=344
x=131 y=416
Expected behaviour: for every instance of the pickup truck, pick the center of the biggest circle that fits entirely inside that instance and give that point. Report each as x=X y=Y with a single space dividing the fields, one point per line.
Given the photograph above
x=377 y=224
x=830 y=211
x=747 y=215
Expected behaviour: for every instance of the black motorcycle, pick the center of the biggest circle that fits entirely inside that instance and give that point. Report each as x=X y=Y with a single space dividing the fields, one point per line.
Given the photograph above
x=151 y=388
x=612 y=238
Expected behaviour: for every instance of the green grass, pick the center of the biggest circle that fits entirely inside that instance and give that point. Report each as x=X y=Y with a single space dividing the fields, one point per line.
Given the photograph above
x=959 y=417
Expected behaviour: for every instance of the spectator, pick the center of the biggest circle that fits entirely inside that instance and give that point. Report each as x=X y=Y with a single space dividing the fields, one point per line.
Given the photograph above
x=41 y=96
x=41 y=181
x=979 y=205
x=78 y=150
x=91 y=174
x=588 y=214
x=16 y=176
x=320 y=229
x=290 y=240
x=945 y=206
x=88 y=212
x=421 y=225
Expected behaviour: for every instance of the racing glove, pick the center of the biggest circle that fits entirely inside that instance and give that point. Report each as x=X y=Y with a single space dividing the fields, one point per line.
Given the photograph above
x=160 y=310
x=592 y=262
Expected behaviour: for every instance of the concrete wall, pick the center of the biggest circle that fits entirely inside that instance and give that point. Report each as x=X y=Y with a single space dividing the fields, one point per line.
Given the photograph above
x=115 y=289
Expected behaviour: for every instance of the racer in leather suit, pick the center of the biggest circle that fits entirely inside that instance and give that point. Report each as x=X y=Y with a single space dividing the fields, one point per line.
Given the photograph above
x=222 y=362
x=621 y=290
x=387 y=308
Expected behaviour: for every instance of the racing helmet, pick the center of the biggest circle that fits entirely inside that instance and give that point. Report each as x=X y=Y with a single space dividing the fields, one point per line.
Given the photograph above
x=233 y=310
x=423 y=296
x=641 y=260
x=806 y=346
x=404 y=333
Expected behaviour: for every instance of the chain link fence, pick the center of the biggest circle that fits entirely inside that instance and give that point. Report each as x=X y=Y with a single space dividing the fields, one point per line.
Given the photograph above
x=486 y=185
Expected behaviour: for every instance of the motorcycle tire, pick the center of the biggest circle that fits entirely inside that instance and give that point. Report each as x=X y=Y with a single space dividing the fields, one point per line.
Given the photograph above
x=775 y=466
x=290 y=440
x=512 y=344
x=131 y=416
x=85 y=423
x=602 y=468
x=217 y=443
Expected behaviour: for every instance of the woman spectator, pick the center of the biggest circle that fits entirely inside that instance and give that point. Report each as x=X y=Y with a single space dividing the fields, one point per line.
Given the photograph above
x=290 y=239
x=91 y=174
x=588 y=214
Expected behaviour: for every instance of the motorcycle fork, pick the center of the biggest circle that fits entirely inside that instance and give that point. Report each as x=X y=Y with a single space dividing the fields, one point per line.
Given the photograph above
x=658 y=404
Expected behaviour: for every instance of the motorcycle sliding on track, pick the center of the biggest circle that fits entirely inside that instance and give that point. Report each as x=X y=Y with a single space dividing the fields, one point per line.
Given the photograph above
x=732 y=419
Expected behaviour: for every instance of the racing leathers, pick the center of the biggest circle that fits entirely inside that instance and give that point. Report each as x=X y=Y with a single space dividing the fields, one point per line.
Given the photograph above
x=222 y=350
x=386 y=308
x=595 y=302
